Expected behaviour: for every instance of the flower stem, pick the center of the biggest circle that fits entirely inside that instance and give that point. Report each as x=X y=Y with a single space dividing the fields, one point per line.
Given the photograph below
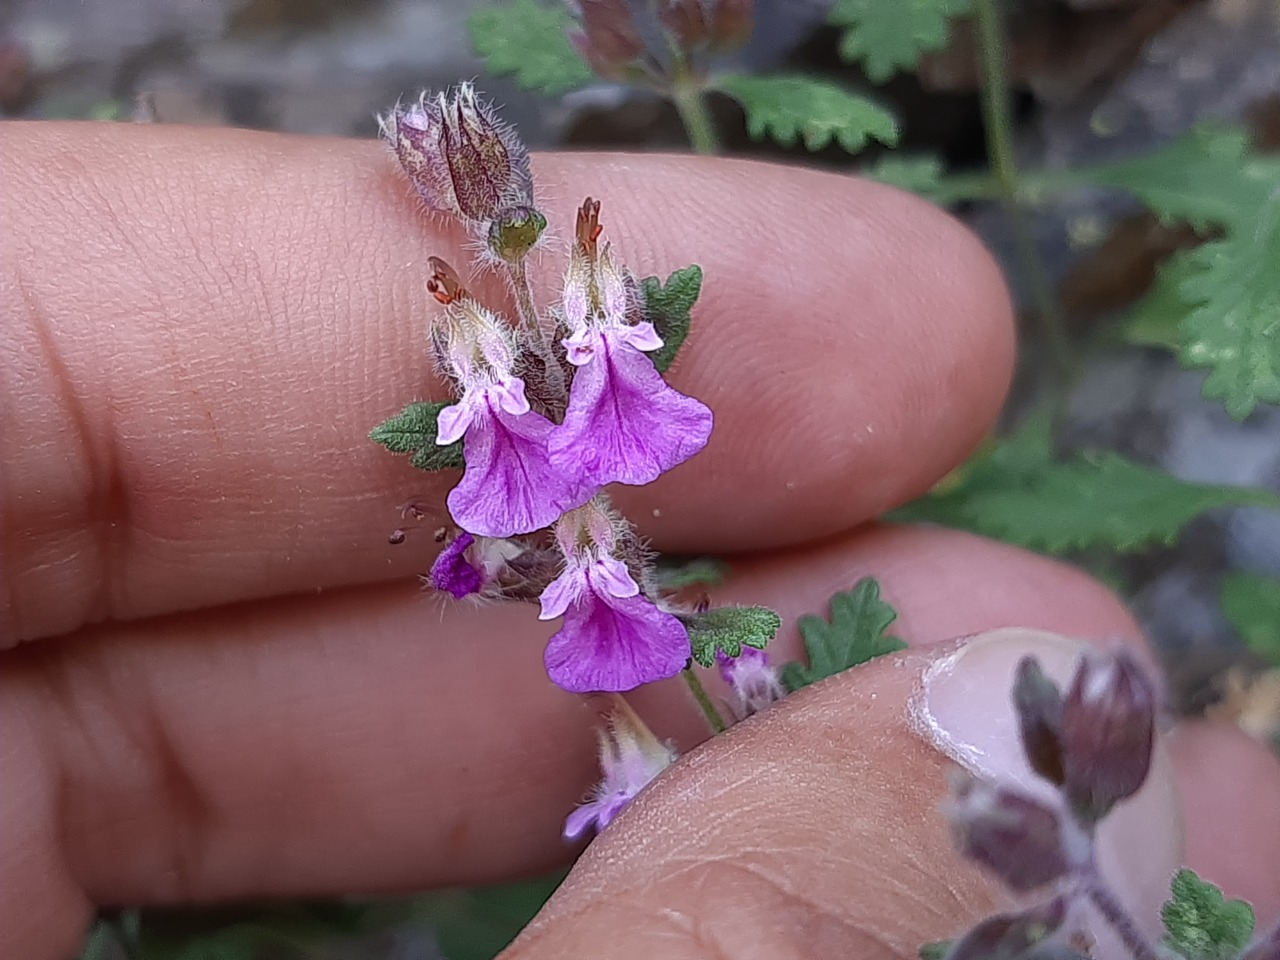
x=1115 y=914
x=997 y=117
x=542 y=337
x=704 y=700
x=691 y=104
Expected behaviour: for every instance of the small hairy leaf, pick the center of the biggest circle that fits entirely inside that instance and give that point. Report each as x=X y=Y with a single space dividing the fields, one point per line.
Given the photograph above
x=1252 y=604
x=1234 y=323
x=1018 y=493
x=791 y=107
x=669 y=306
x=1200 y=924
x=729 y=629
x=413 y=431
x=888 y=37
x=854 y=634
x=530 y=40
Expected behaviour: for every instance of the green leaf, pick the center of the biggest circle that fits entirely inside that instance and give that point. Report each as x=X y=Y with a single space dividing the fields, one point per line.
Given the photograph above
x=529 y=40
x=791 y=107
x=413 y=431
x=1154 y=321
x=1252 y=604
x=919 y=174
x=669 y=306
x=854 y=635
x=1222 y=297
x=1018 y=493
x=1200 y=178
x=729 y=629
x=935 y=950
x=1200 y=924
x=1233 y=327
x=888 y=37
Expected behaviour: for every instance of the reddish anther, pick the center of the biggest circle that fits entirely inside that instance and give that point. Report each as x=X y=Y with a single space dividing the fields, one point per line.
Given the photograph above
x=589 y=228
x=444 y=284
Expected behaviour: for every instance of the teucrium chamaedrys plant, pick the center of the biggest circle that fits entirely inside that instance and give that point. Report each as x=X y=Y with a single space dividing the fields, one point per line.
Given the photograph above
x=547 y=411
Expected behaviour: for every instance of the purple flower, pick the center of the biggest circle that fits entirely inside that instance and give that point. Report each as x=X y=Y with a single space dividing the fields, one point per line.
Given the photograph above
x=613 y=638
x=453 y=572
x=630 y=758
x=754 y=681
x=624 y=423
x=510 y=485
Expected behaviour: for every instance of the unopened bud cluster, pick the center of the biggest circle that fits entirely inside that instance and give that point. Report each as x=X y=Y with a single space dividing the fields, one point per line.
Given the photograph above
x=633 y=41
x=464 y=162
x=1094 y=746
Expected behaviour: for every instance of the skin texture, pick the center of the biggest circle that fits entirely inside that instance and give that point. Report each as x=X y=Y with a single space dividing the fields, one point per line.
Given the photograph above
x=220 y=681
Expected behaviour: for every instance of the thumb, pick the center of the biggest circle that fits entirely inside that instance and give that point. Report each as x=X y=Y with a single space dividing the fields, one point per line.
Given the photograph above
x=813 y=829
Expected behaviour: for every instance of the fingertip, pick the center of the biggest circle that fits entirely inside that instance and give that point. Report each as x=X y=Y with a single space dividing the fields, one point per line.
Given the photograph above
x=1230 y=787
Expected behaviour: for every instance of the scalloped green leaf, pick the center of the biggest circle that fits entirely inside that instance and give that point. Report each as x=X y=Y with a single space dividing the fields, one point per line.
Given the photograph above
x=669 y=307
x=529 y=40
x=890 y=37
x=728 y=629
x=413 y=431
x=1019 y=493
x=792 y=108
x=855 y=633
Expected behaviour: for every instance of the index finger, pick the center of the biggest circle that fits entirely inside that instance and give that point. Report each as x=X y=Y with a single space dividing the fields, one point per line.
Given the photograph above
x=202 y=326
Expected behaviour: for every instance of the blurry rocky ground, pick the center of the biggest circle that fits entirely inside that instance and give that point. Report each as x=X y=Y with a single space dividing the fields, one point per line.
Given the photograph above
x=1096 y=80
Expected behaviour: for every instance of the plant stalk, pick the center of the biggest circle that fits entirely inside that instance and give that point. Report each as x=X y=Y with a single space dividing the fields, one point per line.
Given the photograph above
x=529 y=318
x=704 y=700
x=1115 y=914
x=691 y=104
x=997 y=115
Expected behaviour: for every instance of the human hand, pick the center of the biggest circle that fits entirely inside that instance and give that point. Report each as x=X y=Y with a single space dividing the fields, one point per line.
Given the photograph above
x=228 y=685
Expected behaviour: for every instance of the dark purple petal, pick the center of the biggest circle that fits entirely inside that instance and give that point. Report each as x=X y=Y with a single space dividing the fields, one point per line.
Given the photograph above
x=510 y=485
x=1108 y=732
x=624 y=423
x=1017 y=838
x=1038 y=704
x=615 y=644
x=453 y=573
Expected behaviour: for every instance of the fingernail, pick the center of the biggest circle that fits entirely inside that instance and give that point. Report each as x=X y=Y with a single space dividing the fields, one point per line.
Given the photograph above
x=965 y=709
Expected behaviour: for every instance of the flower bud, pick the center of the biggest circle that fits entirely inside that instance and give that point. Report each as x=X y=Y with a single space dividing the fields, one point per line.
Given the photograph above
x=1108 y=730
x=514 y=231
x=609 y=40
x=720 y=25
x=460 y=159
x=1038 y=704
x=630 y=758
x=753 y=680
x=1017 y=838
x=1011 y=936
